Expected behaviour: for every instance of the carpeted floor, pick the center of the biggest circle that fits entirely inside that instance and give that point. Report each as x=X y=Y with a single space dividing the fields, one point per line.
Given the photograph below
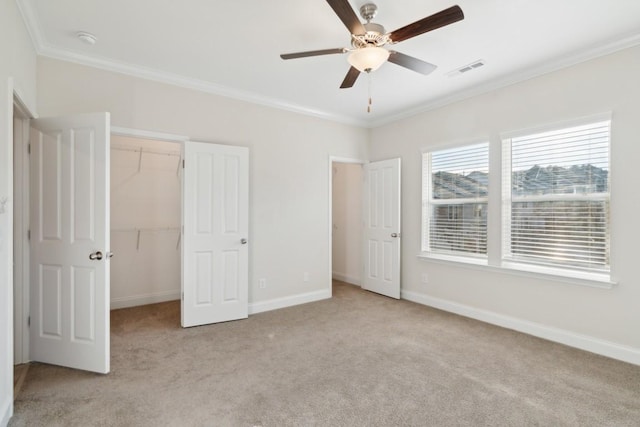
x=358 y=359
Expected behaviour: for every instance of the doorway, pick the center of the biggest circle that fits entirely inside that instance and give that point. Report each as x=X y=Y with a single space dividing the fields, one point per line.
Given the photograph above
x=379 y=225
x=346 y=221
x=146 y=182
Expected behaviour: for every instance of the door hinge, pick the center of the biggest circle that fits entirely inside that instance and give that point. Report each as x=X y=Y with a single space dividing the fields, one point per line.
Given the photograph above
x=29 y=148
x=28 y=321
x=182 y=296
x=28 y=234
x=182 y=163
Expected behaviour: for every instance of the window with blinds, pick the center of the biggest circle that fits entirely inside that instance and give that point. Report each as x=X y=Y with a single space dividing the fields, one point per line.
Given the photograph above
x=556 y=197
x=454 y=196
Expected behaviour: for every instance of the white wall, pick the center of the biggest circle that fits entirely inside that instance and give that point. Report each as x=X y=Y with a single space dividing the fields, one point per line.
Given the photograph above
x=145 y=221
x=347 y=222
x=601 y=320
x=289 y=164
x=17 y=72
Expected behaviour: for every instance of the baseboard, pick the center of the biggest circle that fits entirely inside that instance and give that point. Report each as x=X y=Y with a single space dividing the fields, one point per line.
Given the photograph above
x=7 y=412
x=135 y=300
x=352 y=280
x=256 y=307
x=562 y=336
x=276 y=303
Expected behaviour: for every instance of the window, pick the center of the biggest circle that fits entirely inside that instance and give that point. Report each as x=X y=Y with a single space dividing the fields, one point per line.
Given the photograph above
x=454 y=197
x=556 y=198
x=555 y=203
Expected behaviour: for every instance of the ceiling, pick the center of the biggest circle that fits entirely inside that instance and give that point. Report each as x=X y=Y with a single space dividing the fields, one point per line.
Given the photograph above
x=232 y=47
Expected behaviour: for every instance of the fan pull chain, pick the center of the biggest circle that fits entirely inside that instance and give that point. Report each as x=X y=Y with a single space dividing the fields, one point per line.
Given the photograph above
x=370 y=101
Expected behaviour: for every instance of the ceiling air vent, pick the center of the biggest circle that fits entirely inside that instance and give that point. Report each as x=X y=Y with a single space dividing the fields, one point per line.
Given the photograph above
x=466 y=68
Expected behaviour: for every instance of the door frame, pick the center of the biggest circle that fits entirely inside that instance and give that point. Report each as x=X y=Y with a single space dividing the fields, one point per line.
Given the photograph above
x=20 y=282
x=332 y=160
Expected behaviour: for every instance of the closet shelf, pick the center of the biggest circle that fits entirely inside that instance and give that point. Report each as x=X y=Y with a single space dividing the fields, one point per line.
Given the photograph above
x=139 y=231
x=142 y=150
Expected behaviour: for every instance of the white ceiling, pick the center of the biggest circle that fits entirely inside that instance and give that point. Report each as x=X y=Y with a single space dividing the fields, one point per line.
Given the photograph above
x=232 y=47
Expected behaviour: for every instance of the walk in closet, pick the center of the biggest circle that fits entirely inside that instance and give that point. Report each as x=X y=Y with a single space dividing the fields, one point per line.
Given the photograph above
x=145 y=221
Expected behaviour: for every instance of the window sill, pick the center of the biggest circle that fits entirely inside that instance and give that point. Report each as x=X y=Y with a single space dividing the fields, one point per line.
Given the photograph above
x=594 y=280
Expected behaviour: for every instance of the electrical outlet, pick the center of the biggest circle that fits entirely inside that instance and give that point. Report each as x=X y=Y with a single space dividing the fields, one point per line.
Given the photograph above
x=262 y=283
x=425 y=278
x=305 y=277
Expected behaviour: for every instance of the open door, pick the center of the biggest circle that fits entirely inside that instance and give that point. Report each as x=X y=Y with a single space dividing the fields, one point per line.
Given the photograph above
x=381 y=235
x=69 y=241
x=215 y=254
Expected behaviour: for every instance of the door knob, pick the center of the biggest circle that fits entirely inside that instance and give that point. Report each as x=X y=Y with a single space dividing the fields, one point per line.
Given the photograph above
x=394 y=235
x=96 y=256
x=243 y=241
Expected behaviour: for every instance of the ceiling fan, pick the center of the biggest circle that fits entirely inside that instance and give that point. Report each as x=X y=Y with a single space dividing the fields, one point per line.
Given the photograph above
x=368 y=39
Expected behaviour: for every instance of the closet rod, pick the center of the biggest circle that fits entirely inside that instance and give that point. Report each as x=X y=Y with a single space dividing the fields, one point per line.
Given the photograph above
x=147 y=151
x=135 y=230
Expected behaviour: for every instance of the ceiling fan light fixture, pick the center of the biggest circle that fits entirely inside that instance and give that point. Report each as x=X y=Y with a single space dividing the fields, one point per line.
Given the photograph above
x=368 y=59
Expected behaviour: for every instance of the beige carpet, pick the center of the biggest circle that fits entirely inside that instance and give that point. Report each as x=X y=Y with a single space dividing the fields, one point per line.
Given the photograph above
x=358 y=359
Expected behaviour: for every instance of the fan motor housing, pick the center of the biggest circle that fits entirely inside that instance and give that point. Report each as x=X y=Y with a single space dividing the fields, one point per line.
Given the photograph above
x=375 y=36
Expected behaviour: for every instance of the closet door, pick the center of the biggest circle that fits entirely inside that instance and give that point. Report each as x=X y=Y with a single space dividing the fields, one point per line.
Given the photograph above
x=70 y=241
x=215 y=255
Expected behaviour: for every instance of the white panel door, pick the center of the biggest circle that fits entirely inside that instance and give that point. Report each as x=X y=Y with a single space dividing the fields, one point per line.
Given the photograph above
x=382 y=227
x=215 y=253
x=70 y=241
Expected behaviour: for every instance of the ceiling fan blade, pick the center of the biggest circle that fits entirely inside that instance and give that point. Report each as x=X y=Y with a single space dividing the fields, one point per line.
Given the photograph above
x=414 y=64
x=440 y=19
x=312 y=53
x=347 y=16
x=350 y=79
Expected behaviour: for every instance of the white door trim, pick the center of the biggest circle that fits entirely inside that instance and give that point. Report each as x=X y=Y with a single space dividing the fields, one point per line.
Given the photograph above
x=332 y=160
x=20 y=282
x=147 y=134
x=21 y=241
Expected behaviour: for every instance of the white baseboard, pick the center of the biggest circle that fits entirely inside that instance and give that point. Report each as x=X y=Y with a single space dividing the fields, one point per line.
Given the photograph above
x=7 y=410
x=562 y=336
x=276 y=303
x=352 y=280
x=135 y=300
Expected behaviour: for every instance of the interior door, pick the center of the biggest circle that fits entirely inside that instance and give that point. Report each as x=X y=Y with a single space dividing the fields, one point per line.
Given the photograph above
x=382 y=227
x=215 y=254
x=69 y=243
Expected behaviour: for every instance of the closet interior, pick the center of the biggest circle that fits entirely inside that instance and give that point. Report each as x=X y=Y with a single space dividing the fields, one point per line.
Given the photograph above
x=145 y=221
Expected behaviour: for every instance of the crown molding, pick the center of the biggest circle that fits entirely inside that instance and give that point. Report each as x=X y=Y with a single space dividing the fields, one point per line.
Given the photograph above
x=190 y=83
x=44 y=49
x=32 y=23
x=518 y=77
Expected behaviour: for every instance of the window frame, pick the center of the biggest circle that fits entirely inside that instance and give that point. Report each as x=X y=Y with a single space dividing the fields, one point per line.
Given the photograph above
x=522 y=263
x=428 y=202
x=494 y=261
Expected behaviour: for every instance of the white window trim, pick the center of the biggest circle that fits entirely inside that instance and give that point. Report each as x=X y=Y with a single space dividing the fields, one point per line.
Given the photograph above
x=589 y=279
x=500 y=264
x=508 y=198
x=428 y=201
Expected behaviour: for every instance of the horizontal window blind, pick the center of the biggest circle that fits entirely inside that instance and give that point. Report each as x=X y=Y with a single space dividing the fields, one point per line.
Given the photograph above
x=455 y=195
x=557 y=197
